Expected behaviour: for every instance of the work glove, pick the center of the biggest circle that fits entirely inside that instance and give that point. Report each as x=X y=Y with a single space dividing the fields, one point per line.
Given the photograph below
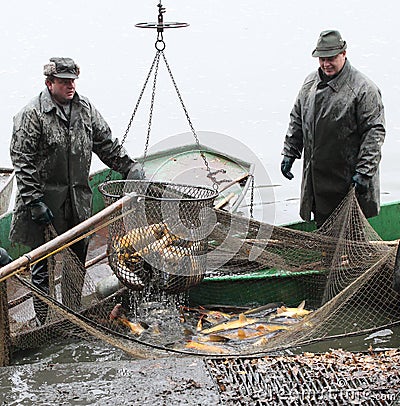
x=361 y=182
x=40 y=213
x=135 y=172
x=4 y=257
x=286 y=166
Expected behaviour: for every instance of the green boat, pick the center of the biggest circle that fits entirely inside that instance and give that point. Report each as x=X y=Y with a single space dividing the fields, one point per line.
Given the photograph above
x=185 y=165
x=290 y=287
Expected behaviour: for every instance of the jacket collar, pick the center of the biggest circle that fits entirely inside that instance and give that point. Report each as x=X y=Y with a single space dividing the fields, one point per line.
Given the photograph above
x=337 y=82
x=49 y=104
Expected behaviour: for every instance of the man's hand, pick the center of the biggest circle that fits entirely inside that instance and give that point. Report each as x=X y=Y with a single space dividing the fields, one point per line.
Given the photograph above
x=286 y=166
x=361 y=182
x=40 y=213
x=135 y=172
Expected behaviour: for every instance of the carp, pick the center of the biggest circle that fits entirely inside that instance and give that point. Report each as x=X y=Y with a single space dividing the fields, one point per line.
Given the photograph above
x=140 y=237
x=206 y=347
x=118 y=314
x=292 y=312
x=242 y=321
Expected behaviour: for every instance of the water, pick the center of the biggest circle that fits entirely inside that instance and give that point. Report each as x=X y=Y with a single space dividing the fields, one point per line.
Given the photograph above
x=238 y=67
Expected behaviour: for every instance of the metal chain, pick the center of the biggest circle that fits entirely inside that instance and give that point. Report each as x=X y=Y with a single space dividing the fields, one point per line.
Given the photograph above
x=153 y=94
x=156 y=59
x=210 y=175
x=252 y=197
x=160 y=46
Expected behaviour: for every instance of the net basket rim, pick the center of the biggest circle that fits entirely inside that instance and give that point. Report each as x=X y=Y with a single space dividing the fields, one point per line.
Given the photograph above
x=212 y=196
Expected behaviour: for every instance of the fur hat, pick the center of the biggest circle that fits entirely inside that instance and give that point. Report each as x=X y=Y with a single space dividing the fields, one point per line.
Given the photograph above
x=63 y=68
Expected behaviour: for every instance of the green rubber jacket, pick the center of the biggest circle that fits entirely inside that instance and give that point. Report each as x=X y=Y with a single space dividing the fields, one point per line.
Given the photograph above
x=52 y=156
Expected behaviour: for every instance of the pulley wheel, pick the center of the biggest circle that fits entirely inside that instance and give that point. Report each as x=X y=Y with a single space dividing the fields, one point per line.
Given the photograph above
x=162 y=26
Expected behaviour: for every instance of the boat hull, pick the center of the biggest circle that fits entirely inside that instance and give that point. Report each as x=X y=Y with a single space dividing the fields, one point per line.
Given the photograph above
x=274 y=285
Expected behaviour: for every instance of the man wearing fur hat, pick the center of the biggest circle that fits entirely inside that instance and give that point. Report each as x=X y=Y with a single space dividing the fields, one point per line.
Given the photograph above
x=51 y=149
x=338 y=124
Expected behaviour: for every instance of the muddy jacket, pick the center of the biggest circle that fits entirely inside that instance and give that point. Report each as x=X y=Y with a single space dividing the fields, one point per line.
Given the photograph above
x=52 y=155
x=340 y=128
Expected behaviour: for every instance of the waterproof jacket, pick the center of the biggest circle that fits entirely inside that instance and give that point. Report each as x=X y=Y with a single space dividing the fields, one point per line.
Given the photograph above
x=339 y=126
x=51 y=155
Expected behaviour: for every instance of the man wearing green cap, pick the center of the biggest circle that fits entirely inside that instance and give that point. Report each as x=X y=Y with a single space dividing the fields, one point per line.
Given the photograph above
x=52 y=143
x=338 y=124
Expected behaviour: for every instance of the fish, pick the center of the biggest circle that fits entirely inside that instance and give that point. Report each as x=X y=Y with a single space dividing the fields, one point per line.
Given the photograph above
x=117 y=311
x=211 y=316
x=270 y=327
x=206 y=347
x=264 y=339
x=140 y=241
x=199 y=326
x=180 y=268
x=118 y=314
x=268 y=308
x=261 y=342
x=136 y=328
x=214 y=317
x=175 y=254
x=284 y=320
x=140 y=237
x=213 y=338
x=251 y=332
x=292 y=312
x=155 y=246
x=188 y=332
x=242 y=321
x=227 y=309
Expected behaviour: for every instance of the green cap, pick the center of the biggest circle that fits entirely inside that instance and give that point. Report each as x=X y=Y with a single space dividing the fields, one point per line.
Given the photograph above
x=330 y=43
x=63 y=68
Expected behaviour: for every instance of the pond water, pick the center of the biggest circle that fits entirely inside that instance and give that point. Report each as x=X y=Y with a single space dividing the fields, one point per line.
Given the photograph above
x=238 y=67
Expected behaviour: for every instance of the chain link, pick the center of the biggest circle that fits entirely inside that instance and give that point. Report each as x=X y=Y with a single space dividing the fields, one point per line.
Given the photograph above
x=153 y=94
x=252 y=197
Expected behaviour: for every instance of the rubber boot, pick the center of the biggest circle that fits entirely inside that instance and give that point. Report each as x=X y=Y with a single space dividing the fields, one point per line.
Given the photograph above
x=40 y=278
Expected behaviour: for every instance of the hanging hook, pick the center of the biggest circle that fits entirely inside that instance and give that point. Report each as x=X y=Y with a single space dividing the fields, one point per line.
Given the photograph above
x=160 y=25
x=160 y=44
x=161 y=11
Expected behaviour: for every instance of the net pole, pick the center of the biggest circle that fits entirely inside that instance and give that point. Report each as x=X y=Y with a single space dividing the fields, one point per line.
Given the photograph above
x=22 y=262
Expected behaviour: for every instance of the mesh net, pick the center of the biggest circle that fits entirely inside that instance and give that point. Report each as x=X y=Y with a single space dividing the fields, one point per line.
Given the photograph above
x=160 y=243
x=181 y=277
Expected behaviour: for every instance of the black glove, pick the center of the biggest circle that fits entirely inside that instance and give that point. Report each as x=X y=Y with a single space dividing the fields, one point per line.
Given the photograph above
x=4 y=257
x=286 y=166
x=40 y=213
x=361 y=182
x=135 y=172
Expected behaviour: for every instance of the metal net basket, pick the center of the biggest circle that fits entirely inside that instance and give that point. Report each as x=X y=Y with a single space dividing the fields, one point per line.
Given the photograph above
x=159 y=240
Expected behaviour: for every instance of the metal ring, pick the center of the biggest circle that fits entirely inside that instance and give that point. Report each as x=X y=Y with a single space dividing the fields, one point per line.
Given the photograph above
x=28 y=257
x=160 y=45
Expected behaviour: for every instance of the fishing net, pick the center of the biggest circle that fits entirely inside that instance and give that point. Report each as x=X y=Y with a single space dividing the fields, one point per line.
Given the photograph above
x=160 y=243
x=167 y=274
